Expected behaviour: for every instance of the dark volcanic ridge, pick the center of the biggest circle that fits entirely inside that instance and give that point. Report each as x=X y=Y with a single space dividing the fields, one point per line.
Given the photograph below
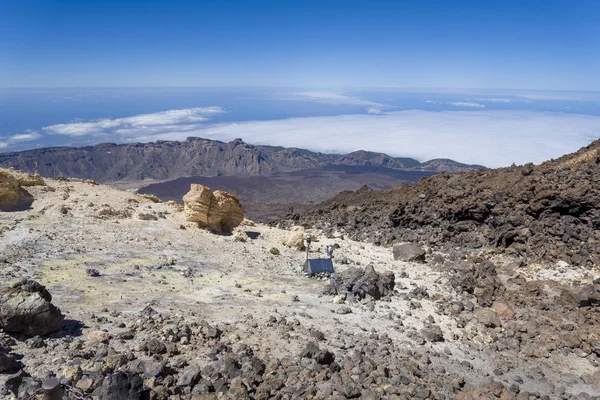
x=545 y=212
x=161 y=160
x=266 y=198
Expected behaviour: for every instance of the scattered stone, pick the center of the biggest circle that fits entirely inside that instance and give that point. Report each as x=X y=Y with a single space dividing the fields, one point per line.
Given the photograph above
x=92 y=272
x=487 y=317
x=343 y=310
x=433 y=334
x=323 y=357
x=239 y=235
x=147 y=216
x=409 y=252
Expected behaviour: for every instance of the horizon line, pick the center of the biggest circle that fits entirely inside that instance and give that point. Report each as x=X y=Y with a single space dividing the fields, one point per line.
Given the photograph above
x=332 y=88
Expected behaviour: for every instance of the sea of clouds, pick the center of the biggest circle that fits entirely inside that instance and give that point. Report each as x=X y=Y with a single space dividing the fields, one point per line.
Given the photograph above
x=474 y=135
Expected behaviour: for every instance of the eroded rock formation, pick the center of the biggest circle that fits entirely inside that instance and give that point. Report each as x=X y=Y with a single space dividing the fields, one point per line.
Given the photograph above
x=12 y=195
x=217 y=211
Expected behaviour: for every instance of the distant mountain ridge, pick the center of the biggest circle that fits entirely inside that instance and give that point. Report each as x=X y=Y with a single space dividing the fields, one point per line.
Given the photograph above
x=110 y=162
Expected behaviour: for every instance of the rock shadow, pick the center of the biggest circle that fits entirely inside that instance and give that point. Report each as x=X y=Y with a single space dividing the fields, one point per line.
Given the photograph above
x=69 y=327
x=252 y=235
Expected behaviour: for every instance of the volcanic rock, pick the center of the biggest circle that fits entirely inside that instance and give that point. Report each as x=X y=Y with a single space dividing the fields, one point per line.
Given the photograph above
x=323 y=357
x=26 y=308
x=219 y=211
x=487 y=317
x=433 y=334
x=6 y=361
x=547 y=212
x=357 y=283
x=121 y=385
x=409 y=253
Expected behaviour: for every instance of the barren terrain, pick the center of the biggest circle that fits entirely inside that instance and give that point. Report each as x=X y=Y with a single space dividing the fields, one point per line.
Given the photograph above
x=239 y=301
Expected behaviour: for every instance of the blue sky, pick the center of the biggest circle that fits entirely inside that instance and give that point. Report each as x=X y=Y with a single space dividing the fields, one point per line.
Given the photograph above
x=546 y=45
x=487 y=82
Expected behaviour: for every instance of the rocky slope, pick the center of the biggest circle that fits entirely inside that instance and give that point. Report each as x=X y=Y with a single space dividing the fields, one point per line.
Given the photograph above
x=546 y=212
x=155 y=307
x=162 y=160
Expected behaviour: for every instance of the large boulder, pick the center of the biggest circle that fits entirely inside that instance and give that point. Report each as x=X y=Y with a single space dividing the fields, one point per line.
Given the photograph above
x=217 y=211
x=356 y=283
x=27 y=308
x=409 y=252
x=12 y=195
x=295 y=238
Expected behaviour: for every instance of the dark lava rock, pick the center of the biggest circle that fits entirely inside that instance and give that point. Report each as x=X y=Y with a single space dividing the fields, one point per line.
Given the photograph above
x=586 y=296
x=409 y=252
x=323 y=357
x=550 y=211
x=92 y=272
x=189 y=377
x=122 y=386
x=6 y=361
x=26 y=308
x=433 y=334
x=155 y=346
x=357 y=283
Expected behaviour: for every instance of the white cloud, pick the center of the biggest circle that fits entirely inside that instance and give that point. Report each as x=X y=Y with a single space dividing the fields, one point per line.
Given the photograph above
x=29 y=135
x=467 y=104
x=334 y=98
x=374 y=110
x=492 y=138
x=24 y=137
x=162 y=121
x=567 y=96
x=495 y=99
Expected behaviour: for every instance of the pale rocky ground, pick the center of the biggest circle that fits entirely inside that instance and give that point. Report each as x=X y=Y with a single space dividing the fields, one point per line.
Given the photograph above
x=179 y=269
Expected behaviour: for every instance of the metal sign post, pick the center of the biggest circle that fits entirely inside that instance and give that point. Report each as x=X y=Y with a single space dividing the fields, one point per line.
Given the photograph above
x=308 y=241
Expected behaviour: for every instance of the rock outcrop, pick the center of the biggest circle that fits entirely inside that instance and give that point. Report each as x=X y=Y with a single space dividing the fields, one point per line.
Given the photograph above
x=27 y=308
x=217 y=211
x=12 y=195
